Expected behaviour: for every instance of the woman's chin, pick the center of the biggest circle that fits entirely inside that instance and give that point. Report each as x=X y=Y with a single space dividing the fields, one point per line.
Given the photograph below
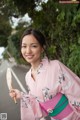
x=29 y=60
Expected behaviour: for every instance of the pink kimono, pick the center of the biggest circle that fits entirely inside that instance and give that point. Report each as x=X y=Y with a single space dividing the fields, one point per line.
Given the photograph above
x=52 y=77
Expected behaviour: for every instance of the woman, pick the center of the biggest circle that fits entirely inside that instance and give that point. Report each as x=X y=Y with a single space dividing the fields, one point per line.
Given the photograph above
x=45 y=79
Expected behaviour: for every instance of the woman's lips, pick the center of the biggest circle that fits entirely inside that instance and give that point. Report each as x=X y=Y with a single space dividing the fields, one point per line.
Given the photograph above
x=29 y=56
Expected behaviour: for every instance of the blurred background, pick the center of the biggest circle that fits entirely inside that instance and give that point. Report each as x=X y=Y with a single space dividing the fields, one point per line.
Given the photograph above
x=58 y=21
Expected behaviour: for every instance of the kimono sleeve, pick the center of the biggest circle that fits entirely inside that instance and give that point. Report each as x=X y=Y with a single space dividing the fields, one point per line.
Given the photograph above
x=30 y=109
x=70 y=84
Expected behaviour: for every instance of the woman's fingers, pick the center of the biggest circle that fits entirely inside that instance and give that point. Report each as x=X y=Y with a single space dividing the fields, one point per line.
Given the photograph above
x=15 y=93
x=12 y=93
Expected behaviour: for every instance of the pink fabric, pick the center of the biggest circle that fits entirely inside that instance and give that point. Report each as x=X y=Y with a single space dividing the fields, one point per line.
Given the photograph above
x=50 y=104
x=66 y=112
x=52 y=77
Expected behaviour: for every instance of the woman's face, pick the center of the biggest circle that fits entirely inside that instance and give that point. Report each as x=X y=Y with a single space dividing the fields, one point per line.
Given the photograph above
x=31 y=49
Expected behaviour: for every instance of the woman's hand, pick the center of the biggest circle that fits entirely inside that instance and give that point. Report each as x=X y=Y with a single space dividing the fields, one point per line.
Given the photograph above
x=15 y=94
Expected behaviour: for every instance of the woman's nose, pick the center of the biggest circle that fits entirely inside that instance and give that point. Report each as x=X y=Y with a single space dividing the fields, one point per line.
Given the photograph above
x=28 y=50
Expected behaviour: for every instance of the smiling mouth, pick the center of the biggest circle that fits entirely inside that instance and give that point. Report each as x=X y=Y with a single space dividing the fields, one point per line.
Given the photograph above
x=29 y=56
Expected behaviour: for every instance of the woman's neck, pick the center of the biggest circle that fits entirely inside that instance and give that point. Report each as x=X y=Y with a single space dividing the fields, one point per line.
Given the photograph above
x=35 y=66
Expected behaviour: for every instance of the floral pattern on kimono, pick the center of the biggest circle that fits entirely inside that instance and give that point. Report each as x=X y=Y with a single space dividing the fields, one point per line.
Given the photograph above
x=52 y=77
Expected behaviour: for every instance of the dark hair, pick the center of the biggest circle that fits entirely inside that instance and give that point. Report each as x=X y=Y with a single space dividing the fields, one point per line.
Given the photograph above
x=39 y=37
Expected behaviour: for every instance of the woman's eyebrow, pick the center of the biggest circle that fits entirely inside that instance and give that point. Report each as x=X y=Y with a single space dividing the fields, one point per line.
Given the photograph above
x=35 y=43
x=24 y=44
x=30 y=43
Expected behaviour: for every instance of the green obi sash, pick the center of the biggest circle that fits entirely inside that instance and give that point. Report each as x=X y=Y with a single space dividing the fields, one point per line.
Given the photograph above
x=63 y=102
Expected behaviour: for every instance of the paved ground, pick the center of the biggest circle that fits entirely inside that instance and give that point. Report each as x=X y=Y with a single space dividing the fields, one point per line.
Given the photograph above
x=7 y=105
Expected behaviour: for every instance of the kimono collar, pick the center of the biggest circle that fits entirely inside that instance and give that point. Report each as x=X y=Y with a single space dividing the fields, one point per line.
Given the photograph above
x=43 y=65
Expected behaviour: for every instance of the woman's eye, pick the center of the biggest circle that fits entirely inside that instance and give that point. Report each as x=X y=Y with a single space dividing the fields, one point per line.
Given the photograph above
x=34 y=46
x=23 y=46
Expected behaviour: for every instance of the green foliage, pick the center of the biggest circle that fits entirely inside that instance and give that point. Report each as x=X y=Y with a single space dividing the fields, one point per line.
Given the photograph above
x=5 y=28
x=76 y=19
x=61 y=16
x=59 y=22
x=3 y=41
x=22 y=7
x=74 y=59
x=14 y=47
x=51 y=51
x=5 y=55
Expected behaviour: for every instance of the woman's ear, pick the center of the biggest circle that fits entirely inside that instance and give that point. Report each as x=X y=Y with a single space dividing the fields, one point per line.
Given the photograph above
x=44 y=47
x=42 y=50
